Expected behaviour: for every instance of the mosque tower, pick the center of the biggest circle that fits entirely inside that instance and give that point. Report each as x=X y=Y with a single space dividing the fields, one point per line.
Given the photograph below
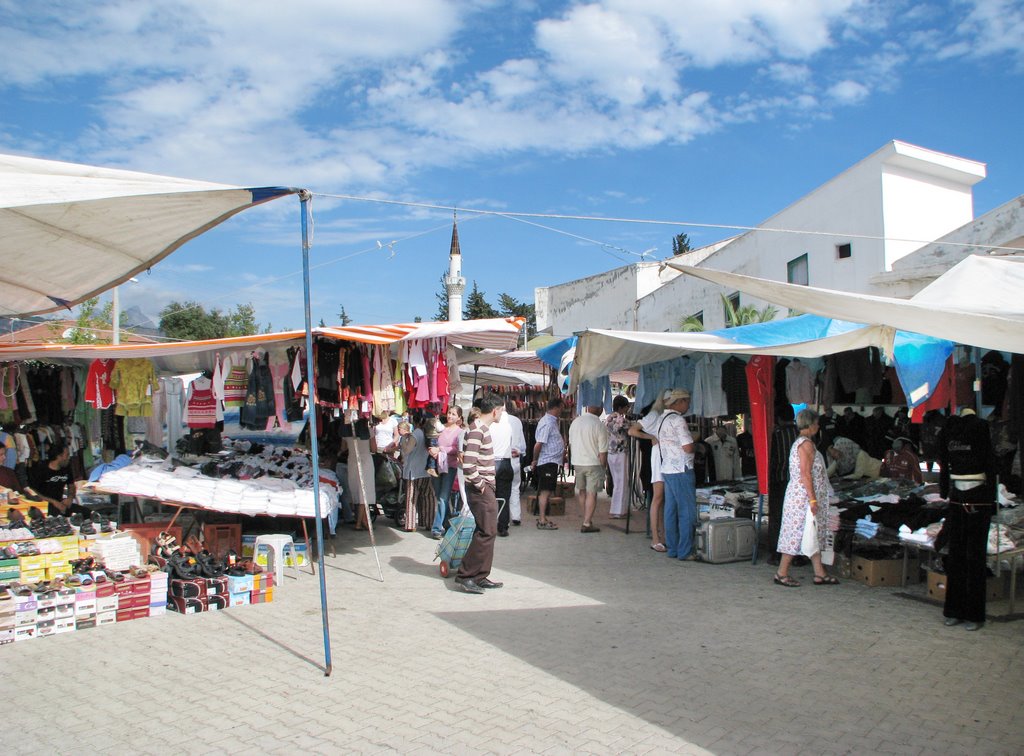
x=454 y=282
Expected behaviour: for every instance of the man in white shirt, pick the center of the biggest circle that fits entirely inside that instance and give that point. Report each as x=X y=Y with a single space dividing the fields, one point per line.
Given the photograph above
x=588 y=444
x=501 y=440
x=676 y=445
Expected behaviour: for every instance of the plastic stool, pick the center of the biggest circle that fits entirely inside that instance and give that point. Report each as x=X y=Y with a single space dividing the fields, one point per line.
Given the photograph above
x=277 y=544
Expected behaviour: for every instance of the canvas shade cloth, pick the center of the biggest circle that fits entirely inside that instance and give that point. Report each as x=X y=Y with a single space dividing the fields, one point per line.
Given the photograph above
x=182 y=357
x=69 y=232
x=976 y=302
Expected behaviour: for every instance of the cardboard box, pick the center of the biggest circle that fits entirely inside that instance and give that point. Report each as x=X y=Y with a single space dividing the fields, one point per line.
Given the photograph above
x=158 y=611
x=85 y=608
x=186 y=605
x=65 y=611
x=32 y=563
x=47 y=627
x=556 y=506
x=33 y=576
x=996 y=588
x=883 y=572
x=24 y=633
x=134 y=601
x=217 y=602
x=106 y=618
x=240 y=584
x=188 y=589
x=107 y=603
x=29 y=617
x=6 y=636
x=47 y=614
x=238 y=599
x=85 y=623
x=216 y=586
x=65 y=625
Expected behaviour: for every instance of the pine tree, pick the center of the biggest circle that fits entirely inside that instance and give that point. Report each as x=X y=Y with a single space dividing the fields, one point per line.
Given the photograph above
x=681 y=244
x=477 y=306
x=343 y=316
x=509 y=306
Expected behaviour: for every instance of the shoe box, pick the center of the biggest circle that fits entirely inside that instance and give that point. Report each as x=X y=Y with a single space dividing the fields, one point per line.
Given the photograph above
x=217 y=601
x=239 y=599
x=240 y=584
x=194 y=588
x=186 y=605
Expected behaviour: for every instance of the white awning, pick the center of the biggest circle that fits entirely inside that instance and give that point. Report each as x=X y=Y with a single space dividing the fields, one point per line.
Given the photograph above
x=977 y=302
x=69 y=232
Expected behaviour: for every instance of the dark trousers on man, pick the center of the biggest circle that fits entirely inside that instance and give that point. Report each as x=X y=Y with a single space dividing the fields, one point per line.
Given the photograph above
x=966 y=564
x=503 y=477
x=476 y=564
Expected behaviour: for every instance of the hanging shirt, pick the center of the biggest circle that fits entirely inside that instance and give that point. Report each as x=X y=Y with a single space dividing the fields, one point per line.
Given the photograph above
x=799 y=383
x=708 y=397
x=734 y=384
x=98 y=392
x=134 y=380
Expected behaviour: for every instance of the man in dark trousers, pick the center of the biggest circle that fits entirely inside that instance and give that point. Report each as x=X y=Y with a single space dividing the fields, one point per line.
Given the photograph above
x=967 y=478
x=478 y=472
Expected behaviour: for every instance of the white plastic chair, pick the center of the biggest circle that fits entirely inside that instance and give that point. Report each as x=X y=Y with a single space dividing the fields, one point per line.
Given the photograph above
x=277 y=544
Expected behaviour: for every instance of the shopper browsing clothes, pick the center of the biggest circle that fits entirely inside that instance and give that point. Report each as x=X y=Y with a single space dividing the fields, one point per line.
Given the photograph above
x=805 y=505
x=967 y=479
x=647 y=430
x=588 y=442
x=617 y=424
x=419 y=492
x=548 y=458
x=677 y=470
x=448 y=449
x=478 y=472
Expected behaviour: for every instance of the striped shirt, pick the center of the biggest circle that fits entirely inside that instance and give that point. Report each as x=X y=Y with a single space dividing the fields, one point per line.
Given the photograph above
x=478 y=457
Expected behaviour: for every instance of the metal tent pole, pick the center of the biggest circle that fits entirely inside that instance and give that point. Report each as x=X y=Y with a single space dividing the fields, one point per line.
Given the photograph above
x=305 y=197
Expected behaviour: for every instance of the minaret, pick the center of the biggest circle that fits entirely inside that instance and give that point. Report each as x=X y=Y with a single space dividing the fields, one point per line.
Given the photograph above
x=454 y=281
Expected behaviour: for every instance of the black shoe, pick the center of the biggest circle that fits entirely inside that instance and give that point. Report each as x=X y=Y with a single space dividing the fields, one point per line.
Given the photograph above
x=469 y=585
x=488 y=583
x=517 y=523
x=503 y=534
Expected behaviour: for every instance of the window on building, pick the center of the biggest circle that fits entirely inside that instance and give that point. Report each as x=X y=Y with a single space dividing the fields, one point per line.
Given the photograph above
x=796 y=271
x=844 y=250
x=730 y=310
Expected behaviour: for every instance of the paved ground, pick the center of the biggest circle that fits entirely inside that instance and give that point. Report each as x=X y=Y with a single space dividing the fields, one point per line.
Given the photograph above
x=595 y=645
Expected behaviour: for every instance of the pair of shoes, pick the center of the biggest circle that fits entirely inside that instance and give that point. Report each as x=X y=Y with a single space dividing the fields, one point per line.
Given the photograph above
x=786 y=581
x=825 y=580
x=503 y=534
x=488 y=583
x=972 y=626
x=659 y=547
x=590 y=529
x=546 y=525
x=517 y=523
x=468 y=585
x=950 y=621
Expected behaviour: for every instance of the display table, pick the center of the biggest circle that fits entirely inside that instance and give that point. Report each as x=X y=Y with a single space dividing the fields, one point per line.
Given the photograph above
x=1014 y=556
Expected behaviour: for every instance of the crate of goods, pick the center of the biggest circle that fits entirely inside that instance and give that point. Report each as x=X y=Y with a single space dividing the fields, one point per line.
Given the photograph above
x=995 y=587
x=118 y=552
x=882 y=572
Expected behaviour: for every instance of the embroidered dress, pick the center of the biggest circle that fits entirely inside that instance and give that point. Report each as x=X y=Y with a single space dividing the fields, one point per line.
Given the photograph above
x=97 y=384
x=201 y=405
x=617 y=425
x=236 y=382
x=134 y=381
x=794 y=507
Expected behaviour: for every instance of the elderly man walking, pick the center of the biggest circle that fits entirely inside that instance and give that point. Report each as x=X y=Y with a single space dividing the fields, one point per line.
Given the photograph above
x=588 y=445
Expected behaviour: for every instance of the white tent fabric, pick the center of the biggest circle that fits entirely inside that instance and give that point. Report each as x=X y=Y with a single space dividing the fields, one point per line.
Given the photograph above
x=977 y=302
x=602 y=352
x=521 y=361
x=69 y=232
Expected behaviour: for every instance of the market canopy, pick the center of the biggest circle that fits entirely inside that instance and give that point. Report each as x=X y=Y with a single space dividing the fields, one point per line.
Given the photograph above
x=180 y=357
x=919 y=360
x=69 y=232
x=977 y=302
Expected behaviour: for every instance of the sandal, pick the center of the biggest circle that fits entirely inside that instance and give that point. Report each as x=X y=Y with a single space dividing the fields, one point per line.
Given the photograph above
x=825 y=580
x=785 y=581
x=659 y=547
x=546 y=525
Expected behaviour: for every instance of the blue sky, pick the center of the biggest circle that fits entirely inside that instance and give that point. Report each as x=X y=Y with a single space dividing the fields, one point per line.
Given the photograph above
x=675 y=110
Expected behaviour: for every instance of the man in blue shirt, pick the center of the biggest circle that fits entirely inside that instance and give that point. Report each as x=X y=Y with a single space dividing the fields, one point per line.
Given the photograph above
x=548 y=457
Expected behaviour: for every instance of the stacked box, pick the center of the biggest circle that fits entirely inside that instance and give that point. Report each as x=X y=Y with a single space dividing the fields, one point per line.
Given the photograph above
x=186 y=605
x=882 y=572
x=85 y=607
x=240 y=584
x=300 y=558
x=7 y=622
x=26 y=614
x=118 y=552
x=10 y=569
x=217 y=601
x=239 y=599
x=158 y=587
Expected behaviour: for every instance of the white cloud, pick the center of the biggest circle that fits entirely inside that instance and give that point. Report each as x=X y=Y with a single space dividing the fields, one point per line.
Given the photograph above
x=789 y=73
x=995 y=27
x=848 y=92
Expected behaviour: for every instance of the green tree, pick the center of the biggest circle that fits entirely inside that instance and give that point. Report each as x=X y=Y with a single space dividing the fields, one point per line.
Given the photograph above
x=734 y=316
x=681 y=244
x=477 y=306
x=509 y=306
x=343 y=316
x=93 y=324
x=192 y=322
x=442 y=299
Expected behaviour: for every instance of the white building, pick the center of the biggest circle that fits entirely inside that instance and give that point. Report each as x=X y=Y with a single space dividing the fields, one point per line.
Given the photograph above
x=850 y=233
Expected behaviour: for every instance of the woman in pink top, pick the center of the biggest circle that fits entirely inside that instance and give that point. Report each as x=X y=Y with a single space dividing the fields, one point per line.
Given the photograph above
x=447 y=451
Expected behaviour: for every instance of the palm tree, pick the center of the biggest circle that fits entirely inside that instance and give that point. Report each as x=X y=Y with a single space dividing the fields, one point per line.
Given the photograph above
x=734 y=316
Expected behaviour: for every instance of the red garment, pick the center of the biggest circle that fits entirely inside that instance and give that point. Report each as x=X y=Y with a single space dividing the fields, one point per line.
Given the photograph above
x=898 y=397
x=965 y=376
x=903 y=464
x=97 y=384
x=201 y=407
x=443 y=394
x=761 y=390
x=940 y=398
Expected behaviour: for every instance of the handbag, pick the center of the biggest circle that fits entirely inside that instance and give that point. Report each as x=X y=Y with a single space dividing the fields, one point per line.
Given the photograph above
x=809 y=542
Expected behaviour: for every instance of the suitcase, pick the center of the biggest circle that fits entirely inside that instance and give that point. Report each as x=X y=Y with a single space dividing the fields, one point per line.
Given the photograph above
x=726 y=540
